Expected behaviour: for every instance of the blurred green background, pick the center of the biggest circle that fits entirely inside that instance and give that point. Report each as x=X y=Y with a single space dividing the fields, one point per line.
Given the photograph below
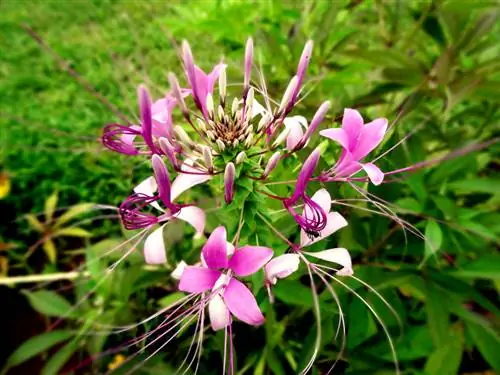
x=432 y=65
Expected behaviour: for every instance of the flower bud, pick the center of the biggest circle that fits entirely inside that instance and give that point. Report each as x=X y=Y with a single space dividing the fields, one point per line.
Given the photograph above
x=229 y=174
x=168 y=150
x=240 y=157
x=210 y=105
x=183 y=136
x=271 y=164
x=287 y=96
x=222 y=85
x=207 y=158
x=248 y=64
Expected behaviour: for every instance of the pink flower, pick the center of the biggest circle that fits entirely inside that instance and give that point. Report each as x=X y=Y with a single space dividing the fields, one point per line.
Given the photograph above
x=134 y=215
x=284 y=265
x=358 y=140
x=218 y=275
x=201 y=84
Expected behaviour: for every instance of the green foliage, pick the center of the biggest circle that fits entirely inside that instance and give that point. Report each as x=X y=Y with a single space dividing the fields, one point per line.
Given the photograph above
x=430 y=67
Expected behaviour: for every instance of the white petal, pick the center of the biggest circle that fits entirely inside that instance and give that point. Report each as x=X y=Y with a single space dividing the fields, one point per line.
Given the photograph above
x=257 y=109
x=185 y=181
x=194 y=216
x=154 y=247
x=334 y=222
x=177 y=273
x=339 y=255
x=281 y=267
x=147 y=187
x=218 y=313
x=229 y=249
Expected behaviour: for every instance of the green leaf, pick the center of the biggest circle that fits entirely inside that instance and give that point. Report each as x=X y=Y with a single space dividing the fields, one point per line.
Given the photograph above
x=487 y=341
x=50 y=249
x=49 y=303
x=34 y=223
x=485 y=267
x=58 y=360
x=437 y=315
x=361 y=324
x=72 y=232
x=73 y=212
x=476 y=185
x=37 y=345
x=433 y=238
x=293 y=292
x=445 y=360
x=50 y=206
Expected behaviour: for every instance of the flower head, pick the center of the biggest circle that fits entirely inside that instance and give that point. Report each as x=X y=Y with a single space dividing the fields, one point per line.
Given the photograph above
x=219 y=274
x=357 y=140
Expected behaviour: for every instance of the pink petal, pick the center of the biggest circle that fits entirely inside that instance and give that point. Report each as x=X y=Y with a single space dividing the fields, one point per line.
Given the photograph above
x=129 y=138
x=334 y=222
x=339 y=255
x=154 y=247
x=374 y=173
x=249 y=259
x=281 y=267
x=218 y=313
x=242 y=304
x=198 y=279
x=162 y=117
x=213 y=76
x=352 y=123
x=194 y=216
x=338 y=135
x=185 y=181
x=214 y=251
x=370 y=137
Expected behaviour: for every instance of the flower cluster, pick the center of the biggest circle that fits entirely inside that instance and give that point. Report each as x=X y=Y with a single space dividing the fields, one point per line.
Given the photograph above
x=200 y=131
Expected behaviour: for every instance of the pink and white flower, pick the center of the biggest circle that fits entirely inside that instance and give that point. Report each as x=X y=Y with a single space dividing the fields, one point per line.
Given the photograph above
x=357 y=140
x=218 y=276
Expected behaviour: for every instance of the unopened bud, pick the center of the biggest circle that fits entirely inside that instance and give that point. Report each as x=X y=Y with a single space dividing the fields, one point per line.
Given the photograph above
x=282 y=137
x=176 y=92
x=287 y=97
x=210 y=105
x=207 y=158
x=220 y=113
x=249 y=140
x=271 y=164
x=168 y=150
x=221 y=145
x=317 y=119
x=229 y=174
x=201 y=124
x=235 y=106
x=240 y=157
x=222 y=85
x=264 y=121
x=183 y=136
x=248 y=63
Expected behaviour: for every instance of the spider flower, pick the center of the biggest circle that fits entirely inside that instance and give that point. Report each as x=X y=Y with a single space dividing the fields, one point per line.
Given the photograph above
x=134 y=212
x=314 y=218
x=286 y=264
x=357 y=140
x=219 y=274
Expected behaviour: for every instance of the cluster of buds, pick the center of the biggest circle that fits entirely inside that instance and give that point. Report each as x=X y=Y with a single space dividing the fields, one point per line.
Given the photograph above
x=243 y=138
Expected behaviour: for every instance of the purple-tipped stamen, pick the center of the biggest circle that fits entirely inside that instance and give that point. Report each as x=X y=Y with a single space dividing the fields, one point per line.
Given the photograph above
x=313 y=221
x=229 y=174
x=113 y=138
x=131 y=212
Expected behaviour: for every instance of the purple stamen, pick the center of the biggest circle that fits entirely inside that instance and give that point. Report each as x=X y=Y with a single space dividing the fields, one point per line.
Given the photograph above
x=112 y=138
x=131 y=212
